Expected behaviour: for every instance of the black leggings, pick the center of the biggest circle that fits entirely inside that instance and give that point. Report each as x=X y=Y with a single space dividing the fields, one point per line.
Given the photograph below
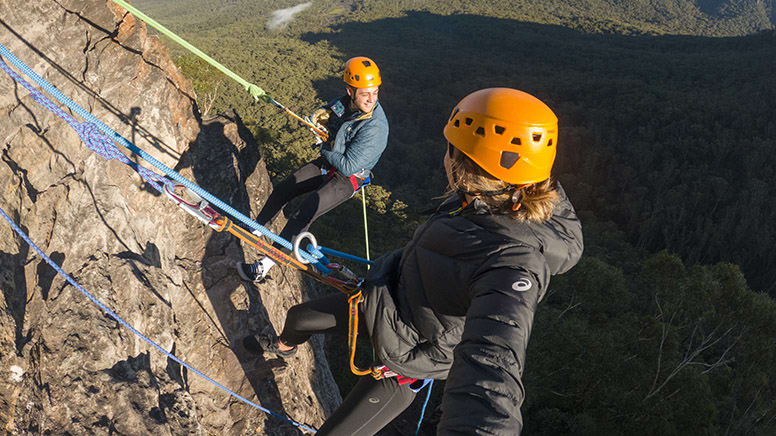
x=330 y=192
x=372 y=404
x=323 y=315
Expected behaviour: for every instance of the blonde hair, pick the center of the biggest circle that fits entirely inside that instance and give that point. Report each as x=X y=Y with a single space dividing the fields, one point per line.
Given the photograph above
x=534 y=202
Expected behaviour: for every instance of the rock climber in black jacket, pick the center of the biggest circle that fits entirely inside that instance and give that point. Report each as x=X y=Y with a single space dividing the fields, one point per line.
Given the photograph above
x=458 y=301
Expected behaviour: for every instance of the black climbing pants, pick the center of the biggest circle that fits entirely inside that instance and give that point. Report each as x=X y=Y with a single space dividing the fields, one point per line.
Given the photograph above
x=329 y=193
x=372 y=404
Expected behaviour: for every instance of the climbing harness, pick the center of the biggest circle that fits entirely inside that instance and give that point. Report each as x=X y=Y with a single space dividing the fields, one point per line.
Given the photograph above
x=356 y=182
x=378 y=372
x=255 y=91
x=359 y=184
x=415 y=384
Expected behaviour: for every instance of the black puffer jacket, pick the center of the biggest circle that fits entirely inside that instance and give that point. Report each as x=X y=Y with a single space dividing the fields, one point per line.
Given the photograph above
x=458 y=301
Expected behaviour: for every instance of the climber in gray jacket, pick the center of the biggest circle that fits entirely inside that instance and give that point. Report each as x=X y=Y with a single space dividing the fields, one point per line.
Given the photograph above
x=458 y=301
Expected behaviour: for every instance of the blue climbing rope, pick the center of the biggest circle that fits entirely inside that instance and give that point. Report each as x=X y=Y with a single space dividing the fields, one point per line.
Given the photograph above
x=112 y=135
x=425 y=403
x=331 y=252
x=136 y=332
x=94 y=139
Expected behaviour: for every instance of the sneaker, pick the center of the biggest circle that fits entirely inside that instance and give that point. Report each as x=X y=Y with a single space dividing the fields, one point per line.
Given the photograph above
x=267 y=343
x=251 y=272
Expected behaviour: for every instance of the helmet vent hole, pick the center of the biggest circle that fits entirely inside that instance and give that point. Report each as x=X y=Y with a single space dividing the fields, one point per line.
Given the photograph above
x=469 y=121
x=457 y=123
x=515 y=141
x=455 y=112
x=480 y=131
x=508 y=159
x=549 y=143
x=499 y=130
x=366 y=63
x=537 y=137
x=358 y=78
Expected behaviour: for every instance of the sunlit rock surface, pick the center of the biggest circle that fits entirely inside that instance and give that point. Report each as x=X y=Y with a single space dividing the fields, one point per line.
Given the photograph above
x=65 y=366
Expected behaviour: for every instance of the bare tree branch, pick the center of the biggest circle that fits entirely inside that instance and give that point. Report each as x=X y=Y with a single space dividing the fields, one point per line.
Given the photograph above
x=210 y=99
x=694 y=349
x=570 y=306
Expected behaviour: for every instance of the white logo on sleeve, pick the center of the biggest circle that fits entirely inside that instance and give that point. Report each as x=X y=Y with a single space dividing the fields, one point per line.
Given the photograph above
x=522 y=285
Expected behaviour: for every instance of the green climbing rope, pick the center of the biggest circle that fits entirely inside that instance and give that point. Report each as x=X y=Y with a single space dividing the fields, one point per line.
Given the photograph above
x=366 y=230
x=254 y=90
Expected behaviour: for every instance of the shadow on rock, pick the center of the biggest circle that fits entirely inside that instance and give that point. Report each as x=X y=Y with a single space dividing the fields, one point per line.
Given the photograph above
x=14 y=285
x=221 y=168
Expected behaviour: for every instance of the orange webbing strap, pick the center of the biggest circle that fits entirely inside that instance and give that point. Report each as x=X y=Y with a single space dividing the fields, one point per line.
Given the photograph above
x=255 y=242
x=225 y=224
x=353 y=301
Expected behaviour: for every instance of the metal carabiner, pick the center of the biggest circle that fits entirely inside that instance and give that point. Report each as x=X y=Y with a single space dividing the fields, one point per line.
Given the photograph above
x=298 y=240
x=199 y=209
x=345 y=271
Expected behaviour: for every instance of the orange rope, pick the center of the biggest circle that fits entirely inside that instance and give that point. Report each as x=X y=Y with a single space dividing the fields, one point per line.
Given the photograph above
x=324 y=135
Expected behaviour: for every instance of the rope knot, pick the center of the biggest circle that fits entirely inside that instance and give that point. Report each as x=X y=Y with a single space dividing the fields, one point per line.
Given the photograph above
x=96 y=140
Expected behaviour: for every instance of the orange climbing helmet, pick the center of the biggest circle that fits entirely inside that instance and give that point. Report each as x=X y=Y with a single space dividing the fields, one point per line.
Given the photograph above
x=509 y=133
x=362 y=72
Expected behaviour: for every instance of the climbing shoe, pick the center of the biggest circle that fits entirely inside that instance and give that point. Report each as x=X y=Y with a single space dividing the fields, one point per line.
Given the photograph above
x=252 y=272
x=267 y=343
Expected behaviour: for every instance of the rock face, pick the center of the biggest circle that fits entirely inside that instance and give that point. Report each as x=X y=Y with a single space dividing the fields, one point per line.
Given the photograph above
x=65 y=366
